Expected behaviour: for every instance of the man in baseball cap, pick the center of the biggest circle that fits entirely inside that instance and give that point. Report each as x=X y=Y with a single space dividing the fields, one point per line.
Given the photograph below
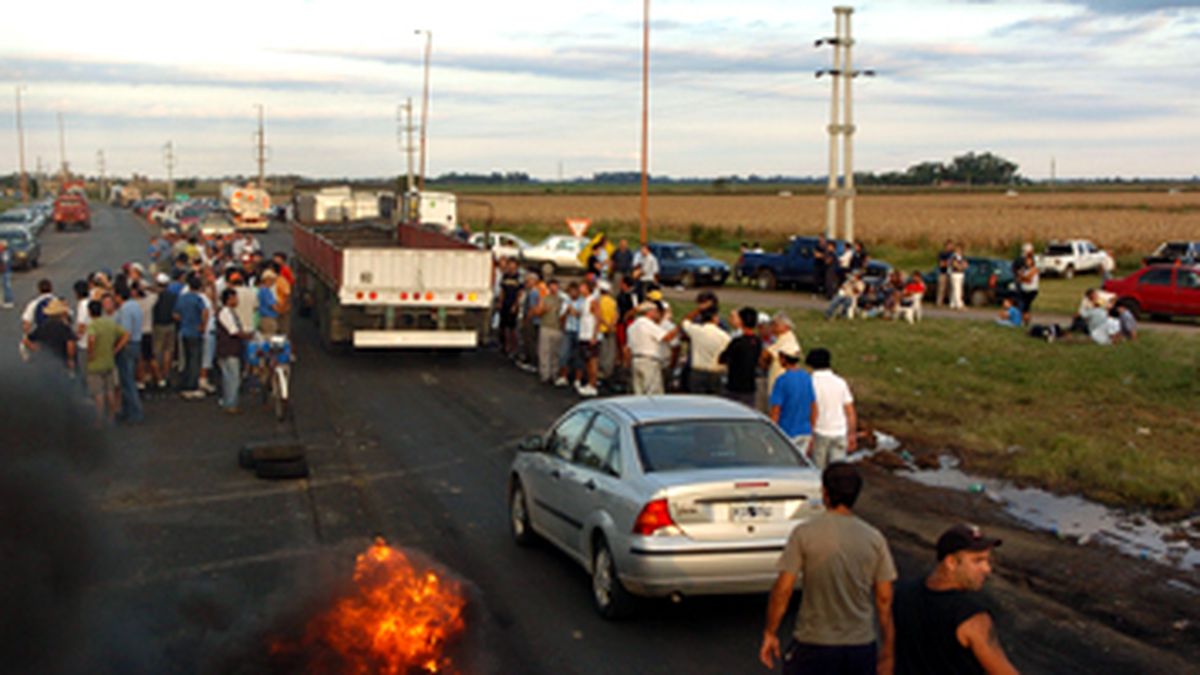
x=940 y=625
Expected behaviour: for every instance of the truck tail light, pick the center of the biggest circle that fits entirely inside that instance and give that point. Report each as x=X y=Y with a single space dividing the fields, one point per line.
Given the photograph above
x=992 y=281
x=459 y=297
x=373 y=295
x=404 y=296
x=428 y=296
x=655 y=516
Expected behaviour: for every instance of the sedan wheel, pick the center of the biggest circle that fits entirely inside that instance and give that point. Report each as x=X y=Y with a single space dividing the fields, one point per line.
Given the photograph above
x=688 y=280
x=518 y=520
x=610 y=597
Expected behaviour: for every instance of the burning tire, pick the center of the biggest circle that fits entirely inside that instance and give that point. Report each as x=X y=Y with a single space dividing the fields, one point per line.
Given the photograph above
x=611 y=599
x=282 y=470
x=518 y=516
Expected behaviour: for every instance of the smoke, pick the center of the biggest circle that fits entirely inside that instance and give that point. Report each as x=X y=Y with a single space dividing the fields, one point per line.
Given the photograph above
x=52 y=546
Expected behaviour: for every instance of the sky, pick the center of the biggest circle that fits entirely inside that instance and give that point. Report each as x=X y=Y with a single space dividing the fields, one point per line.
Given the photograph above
x=1098 y=87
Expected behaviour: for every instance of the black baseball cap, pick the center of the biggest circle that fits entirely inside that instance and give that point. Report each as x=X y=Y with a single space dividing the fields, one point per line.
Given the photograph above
x=964 y=537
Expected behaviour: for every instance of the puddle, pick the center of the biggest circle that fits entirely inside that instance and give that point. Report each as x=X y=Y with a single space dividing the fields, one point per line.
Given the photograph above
x=1069 y=517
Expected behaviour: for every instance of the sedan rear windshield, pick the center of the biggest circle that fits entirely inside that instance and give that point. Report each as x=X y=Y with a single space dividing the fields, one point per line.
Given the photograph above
x=713 y=444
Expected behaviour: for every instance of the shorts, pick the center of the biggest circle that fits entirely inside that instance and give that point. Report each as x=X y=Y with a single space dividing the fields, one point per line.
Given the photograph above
x=589 y=350
x=508 y=318
x=164 y=340
x=147 y=346
x=99 y=384
x=829 y=449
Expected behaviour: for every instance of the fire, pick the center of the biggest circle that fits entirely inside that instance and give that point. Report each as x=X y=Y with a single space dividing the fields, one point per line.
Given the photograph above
x=396 y=619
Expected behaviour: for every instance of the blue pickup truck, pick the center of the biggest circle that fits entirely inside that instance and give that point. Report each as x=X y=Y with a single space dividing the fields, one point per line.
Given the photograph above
x=794 y=267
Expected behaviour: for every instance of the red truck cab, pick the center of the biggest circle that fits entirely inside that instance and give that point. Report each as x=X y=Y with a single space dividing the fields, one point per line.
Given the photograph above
x=71 y=209
x=1159 y=290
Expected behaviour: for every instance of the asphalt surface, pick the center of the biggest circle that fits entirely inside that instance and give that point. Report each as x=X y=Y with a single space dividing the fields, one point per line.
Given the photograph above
x=413 y=447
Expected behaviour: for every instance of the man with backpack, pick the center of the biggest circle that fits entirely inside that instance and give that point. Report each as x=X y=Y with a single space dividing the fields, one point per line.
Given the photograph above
x=35 y=312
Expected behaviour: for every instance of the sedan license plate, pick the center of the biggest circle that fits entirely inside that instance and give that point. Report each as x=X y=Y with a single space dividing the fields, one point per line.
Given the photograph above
x=750 y=512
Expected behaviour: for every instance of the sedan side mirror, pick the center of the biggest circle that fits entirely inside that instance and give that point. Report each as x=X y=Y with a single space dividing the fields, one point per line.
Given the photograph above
x=532 y=444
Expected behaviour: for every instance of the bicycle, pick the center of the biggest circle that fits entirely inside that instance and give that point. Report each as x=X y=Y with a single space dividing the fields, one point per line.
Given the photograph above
x=274 y=372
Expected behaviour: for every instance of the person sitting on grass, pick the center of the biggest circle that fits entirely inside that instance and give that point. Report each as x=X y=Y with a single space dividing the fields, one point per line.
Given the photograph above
x=847 y=297
x=914 y=289
x=1010 y=314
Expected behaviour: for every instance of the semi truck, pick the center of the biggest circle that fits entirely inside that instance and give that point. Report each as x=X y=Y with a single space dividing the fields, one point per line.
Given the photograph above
x=379 y=283
x=249 y=206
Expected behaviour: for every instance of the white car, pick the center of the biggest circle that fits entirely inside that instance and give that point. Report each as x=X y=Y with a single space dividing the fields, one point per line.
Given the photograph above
x=502 y=244
x=556 y=252
x=663 y=496
x=1066 y=258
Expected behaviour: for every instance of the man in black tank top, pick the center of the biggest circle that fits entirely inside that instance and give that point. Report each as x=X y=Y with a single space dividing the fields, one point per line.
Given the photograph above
x=940 y=626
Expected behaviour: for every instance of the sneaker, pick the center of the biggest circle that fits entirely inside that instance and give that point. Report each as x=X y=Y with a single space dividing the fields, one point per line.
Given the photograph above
x=527 y=367
x=162 y=384
x=193 y=395
x=587 y=391
x=6 y=305
x=141 y=386
x=208 y=388
x=560 y=382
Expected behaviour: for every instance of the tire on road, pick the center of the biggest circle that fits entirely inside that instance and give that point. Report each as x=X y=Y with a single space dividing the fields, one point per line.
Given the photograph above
x=1069 y=272
x=611 y=599
x=282 y=470
x=979 y=298
x=250 y=455
x=688 y=280
x=518 y=515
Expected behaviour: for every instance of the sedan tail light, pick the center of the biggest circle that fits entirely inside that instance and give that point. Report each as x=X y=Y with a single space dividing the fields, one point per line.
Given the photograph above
x=655 y=516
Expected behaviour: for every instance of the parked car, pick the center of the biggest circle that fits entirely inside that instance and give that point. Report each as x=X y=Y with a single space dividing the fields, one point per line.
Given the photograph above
x=502 y=244
x=25 y=218
x=1162 y=291
x=556 y=252
x=663 y=496
x=212 y=224
x=25 y=250
x=794 y=267
x=1187 y=252
x=71 y=210
x=1067 y=258
x=687 y=265
x=987 y=282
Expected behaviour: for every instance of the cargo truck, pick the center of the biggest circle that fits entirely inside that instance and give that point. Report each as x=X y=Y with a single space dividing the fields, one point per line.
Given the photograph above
x=375 y=283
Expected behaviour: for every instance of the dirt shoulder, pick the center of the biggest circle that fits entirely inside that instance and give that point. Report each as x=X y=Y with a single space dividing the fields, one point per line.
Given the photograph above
x=1054 y=600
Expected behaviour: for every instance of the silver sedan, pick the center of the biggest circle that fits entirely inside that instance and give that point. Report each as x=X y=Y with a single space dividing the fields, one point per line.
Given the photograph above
x=663 y=496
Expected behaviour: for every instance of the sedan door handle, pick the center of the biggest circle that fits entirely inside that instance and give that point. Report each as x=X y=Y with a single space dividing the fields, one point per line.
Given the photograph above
x=555 y=473
x=590 y=484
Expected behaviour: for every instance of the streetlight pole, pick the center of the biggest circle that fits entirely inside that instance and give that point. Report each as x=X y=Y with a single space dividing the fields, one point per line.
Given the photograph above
x=62 y=151
x=21 y=148
x=644 y=212
x=425 y=104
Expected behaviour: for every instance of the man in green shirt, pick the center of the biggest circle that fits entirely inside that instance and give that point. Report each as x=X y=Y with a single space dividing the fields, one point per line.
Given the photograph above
x=847 y=574
x=105 y=338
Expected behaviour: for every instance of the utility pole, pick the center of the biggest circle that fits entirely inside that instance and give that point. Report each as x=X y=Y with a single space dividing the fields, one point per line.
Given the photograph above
x=260 y=139
x=62 y=150
x=169 y=161
x=409 y=148
x=1053 y=174
x=644 y=208
x=840 y=191
x=425 y=105
x=103 y=175
x=21 y=148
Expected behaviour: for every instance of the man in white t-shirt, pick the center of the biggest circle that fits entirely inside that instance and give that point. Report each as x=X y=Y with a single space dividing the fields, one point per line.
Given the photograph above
x=644 y=339
x=589 y=338
x=707 y=340
x=835 y=432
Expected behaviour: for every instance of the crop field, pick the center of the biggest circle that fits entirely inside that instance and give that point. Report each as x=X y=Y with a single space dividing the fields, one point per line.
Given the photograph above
x=1130 y=223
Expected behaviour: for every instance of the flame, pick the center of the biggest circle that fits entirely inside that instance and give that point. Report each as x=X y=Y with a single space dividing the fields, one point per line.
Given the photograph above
x=396 y=619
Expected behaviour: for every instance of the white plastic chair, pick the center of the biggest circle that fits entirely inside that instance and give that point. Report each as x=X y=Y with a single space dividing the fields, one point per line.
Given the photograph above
x=912 y=311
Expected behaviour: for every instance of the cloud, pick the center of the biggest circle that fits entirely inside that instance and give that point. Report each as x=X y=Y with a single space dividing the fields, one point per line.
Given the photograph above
x=1136 y=6
x=51 y=70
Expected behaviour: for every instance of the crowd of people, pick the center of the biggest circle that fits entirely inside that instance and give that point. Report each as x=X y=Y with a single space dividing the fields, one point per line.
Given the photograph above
x=619 y=334
x=185 y=319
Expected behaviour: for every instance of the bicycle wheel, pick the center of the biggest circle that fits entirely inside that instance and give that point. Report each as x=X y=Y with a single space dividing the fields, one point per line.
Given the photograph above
x=279 y=392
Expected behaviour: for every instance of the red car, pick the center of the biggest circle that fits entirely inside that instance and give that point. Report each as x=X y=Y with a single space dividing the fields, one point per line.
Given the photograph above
x=1159 y=290
x=71 y=208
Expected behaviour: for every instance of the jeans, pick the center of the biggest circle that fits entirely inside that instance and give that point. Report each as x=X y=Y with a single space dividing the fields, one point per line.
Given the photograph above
x=8 y=292
x=704 y=381
x=549 y=348
x=801 y=658
x=193 y=348
x=827 y=449
x=231 y=380
x=131 y=403
x=839 y=307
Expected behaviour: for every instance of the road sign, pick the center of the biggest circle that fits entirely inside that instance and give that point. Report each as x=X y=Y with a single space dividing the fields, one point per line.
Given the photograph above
x=578 y=226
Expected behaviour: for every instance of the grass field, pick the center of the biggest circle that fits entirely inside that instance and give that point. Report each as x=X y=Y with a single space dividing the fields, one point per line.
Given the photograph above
x=1117 y=424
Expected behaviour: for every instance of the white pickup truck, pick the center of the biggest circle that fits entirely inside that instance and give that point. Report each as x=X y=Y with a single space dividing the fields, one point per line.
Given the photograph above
x=1066 y=258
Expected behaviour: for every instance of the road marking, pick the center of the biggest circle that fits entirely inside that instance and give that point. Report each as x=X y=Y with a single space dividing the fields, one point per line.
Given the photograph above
x=218 y=566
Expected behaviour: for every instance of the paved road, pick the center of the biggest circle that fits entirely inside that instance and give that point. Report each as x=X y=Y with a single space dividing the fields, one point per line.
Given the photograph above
x=410 y=446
